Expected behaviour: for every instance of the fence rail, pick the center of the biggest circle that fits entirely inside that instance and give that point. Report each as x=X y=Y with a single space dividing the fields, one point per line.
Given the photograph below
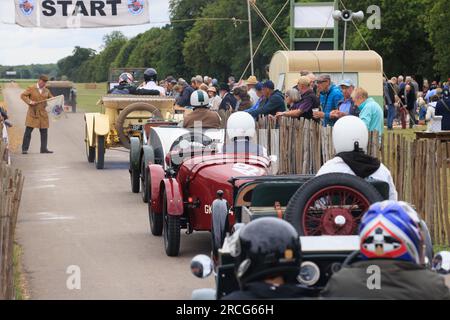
x=421 y=173
x=11 y=185
x=420 y=168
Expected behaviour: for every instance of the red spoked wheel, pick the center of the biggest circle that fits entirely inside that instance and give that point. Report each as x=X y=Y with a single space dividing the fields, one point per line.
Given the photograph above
x=331 y=204
x=336 y=210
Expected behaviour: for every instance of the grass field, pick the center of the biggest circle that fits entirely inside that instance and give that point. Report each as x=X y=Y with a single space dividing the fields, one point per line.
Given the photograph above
x=87 y=98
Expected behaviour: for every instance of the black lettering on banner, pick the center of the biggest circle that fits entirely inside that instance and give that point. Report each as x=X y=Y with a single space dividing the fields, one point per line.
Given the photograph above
x=82 y=8
x=114 y=4
x=64 y=4
x=48 y=9
x=97 y=6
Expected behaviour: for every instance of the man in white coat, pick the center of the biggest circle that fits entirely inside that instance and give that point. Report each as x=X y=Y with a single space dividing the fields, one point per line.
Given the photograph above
x=350 y=139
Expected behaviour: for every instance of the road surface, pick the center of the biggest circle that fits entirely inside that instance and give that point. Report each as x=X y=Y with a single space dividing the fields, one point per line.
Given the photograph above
x=74 y=215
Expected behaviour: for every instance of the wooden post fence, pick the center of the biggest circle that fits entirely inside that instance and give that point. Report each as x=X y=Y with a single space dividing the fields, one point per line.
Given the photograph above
x=11 y=184
x=420 y=168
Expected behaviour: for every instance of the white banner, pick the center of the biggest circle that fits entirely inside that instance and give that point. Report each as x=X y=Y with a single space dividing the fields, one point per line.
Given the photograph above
x=81 y=13
x=313 y=17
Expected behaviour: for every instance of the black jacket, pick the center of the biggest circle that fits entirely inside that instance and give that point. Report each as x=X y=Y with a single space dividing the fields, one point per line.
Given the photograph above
x=443 y=109
x=262 y=290
x=275 y=103
x=389 y=93
x=131 y=89
x=310 y=98
x=399 y=280
x=228 y=101
x=184 y=100
x=409 y=99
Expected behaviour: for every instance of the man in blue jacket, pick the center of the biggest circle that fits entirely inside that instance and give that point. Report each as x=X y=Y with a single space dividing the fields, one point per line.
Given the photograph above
x=330 y=96
x=274 y=101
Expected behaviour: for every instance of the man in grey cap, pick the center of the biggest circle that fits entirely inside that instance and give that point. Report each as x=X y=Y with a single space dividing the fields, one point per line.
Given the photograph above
x=330 y=95
x=346 y=106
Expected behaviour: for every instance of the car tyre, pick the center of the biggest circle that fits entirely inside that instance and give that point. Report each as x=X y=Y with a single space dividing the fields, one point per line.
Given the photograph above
x=298 y=204
x=171 y=232
x=145 y=187
x=100 y=152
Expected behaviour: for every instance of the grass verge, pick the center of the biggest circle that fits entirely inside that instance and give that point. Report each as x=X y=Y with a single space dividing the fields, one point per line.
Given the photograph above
x=20 y=286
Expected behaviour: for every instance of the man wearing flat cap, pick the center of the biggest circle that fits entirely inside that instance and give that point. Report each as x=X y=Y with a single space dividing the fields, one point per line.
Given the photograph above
x=35 y=97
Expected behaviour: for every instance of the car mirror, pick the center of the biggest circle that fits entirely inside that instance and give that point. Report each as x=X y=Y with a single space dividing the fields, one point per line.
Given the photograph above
x=201 y=266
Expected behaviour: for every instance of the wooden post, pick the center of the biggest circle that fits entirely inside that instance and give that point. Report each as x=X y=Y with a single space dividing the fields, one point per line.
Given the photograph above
x=11 y=185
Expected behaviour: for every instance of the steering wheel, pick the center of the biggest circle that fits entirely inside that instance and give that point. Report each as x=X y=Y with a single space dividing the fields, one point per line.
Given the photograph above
x=190 y=139
x=352 y=257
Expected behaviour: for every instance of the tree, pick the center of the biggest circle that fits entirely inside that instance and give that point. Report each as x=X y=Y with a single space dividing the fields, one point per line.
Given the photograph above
x=437 y=21
x=113 y=43
x=223 y=46
x=124 y=54
x=402 y=40
x=115 y=36
x=69 y=66
x=182 y=10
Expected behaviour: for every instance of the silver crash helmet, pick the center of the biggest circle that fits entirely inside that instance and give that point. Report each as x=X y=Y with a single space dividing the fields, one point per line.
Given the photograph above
x=441 y=262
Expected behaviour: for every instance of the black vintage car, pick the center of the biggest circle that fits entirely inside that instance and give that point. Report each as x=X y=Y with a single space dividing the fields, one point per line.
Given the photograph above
x=325 y=210
x=67 y=89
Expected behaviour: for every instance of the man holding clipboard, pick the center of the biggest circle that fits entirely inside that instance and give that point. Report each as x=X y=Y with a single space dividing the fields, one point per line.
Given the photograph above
x=35 y=97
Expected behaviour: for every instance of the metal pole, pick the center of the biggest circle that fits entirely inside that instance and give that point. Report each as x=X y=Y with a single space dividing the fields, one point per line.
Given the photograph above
x=250 y=37
x=343 y=51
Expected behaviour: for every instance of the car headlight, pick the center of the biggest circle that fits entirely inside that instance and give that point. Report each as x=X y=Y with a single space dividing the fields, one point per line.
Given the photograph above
x=309 y=273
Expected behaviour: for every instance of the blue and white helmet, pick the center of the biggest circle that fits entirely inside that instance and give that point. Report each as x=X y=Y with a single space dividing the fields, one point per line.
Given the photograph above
x=126 y=77
x=391 y=230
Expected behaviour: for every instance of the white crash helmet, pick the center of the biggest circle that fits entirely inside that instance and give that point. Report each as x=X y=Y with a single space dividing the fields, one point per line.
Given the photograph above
x=348 y=130
x=199 y=98
x=240 y=124
x=126 y=77
x=441 y=262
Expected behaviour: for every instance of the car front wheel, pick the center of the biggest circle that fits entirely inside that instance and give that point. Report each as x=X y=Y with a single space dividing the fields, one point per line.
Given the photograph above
x=171 y=231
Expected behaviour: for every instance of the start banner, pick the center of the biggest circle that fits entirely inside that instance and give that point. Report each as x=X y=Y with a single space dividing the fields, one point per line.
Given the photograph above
x=81 y=13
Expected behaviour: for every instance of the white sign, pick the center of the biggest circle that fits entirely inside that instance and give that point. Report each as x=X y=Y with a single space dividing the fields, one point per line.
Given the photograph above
x=81 y=13
x=11 y=73
x=313 y=17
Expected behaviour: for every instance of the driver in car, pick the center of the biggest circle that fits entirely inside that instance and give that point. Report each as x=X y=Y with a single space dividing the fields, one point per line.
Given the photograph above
x=350 y=140
x=240 y=131
x=201 y=114
x=127 y=86
x=267 y=256
x=392 y=255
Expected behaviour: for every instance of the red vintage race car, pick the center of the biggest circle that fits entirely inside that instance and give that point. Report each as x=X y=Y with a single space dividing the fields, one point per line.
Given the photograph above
x=195 y=178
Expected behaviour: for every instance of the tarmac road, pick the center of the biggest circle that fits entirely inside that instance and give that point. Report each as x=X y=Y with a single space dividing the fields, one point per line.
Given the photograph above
x=74 y=215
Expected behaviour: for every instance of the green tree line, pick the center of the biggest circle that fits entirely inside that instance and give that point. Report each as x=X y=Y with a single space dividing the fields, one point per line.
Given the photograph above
x=30 y=71
x=414 y=39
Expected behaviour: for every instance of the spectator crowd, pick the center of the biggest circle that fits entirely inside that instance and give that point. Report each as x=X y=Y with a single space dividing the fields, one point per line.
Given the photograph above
x=318 y=98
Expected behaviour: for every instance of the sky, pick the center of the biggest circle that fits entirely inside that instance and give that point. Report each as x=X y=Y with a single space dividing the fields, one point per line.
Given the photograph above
x=20 y=45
